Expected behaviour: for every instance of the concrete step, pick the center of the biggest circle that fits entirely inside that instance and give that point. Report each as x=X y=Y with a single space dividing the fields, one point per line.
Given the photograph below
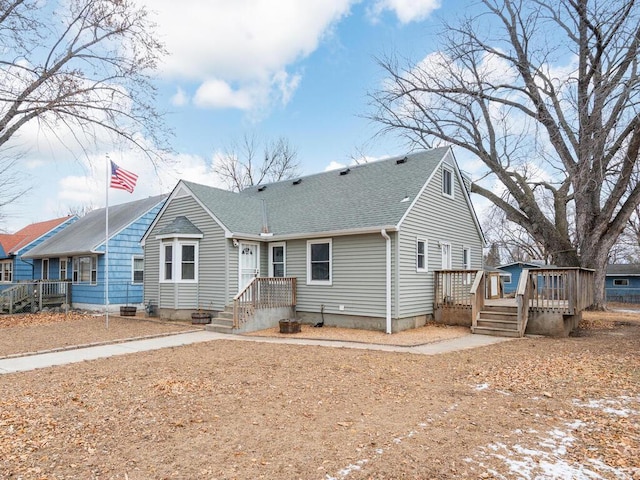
x=222 y=321
x=219 y=328
x=496 y=332
x=226 y=315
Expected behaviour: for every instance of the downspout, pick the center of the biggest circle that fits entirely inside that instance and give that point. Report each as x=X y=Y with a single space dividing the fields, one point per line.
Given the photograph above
x=387 y=238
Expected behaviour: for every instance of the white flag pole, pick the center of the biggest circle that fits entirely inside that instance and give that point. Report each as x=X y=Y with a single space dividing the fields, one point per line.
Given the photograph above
x=106 y=248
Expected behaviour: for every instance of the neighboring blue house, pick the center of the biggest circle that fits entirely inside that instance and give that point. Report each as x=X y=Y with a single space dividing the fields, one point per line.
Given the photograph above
x=14 y=267
x=513 y=271
x=622 y=283
x=78 y=253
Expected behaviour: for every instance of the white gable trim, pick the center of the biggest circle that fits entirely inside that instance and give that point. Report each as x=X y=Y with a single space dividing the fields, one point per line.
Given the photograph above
x=454 y=165
x=180 y=191
x=424 y=187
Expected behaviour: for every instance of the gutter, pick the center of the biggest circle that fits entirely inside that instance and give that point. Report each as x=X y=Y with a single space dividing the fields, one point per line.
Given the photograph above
x=387 y=238
x=322 y=234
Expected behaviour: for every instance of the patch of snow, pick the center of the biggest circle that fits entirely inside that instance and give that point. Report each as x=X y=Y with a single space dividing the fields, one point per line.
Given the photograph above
x=610 y=406
x=547 y=462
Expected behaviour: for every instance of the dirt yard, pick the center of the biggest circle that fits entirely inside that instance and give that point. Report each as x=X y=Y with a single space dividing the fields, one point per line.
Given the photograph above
x=530 y=408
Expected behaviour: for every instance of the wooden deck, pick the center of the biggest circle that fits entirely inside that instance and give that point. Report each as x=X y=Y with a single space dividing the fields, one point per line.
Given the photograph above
x=34 y=296
x=559 y=292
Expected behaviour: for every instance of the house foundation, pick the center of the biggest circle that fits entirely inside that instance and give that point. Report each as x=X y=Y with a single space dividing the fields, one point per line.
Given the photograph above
x=552 y=324
x=363 y=322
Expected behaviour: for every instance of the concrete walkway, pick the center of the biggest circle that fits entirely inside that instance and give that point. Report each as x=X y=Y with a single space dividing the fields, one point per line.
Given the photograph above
x=75 y=355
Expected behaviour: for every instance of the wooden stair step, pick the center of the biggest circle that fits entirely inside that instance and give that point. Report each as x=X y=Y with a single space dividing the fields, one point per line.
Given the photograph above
x=496 y=332
x=494 y=323
x=498 y=315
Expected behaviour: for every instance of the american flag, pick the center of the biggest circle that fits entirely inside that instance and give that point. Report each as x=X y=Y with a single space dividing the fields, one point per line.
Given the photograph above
x=122 y=179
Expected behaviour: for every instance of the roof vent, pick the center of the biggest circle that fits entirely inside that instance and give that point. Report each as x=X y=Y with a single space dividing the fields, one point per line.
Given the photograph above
x=297 y=182
x=345 y=171
x=261 y=188
x=401 y=160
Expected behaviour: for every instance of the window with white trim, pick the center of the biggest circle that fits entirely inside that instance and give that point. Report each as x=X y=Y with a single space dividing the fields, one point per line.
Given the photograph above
x=6 y=271
x=507 y=279
x=447 y=181
x=45 y=269
x=85 y=269
x=137 y=267
x=179 y=260
x=466 y=258
x=620 y=282
x=277 y=255
x=63 y=269
x=319 y=262
x=421 y=255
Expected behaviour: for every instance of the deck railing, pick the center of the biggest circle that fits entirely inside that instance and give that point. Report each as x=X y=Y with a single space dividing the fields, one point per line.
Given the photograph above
x=568 y=290
x=29 y=296
x=453 y=287
x=263 y=292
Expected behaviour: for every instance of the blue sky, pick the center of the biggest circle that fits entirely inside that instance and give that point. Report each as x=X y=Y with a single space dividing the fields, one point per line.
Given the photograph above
x=292 y=68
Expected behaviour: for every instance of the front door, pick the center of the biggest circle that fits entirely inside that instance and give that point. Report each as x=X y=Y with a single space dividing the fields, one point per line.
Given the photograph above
x=249 y=262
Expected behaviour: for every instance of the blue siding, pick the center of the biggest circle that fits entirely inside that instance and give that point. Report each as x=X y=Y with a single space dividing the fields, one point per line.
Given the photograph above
x=628 y=294
x=122 y=248
x=515 y=270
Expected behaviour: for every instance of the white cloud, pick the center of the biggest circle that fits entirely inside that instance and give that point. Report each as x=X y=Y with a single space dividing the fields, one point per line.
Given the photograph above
x=219 y=94
x=241 y=53
x=406 y=10
x=334 y=166
x=180 y=98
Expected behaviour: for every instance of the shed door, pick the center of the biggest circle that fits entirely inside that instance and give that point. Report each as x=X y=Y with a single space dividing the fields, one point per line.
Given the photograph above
x=249 y=262
x=494 y=286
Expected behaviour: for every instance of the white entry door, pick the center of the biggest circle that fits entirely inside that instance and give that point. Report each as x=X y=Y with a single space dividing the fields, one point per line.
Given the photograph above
x=249 y=262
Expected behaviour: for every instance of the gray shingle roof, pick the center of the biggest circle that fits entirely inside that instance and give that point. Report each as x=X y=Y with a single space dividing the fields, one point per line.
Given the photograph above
x=368 y=196
x=88 y=233
x=623 y=269
x=180 y=226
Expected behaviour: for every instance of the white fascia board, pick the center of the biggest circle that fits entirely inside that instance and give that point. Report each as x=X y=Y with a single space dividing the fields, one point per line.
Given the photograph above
x=424 y=187
x=323 y=234
x=181 y=186
x=180 y=235
x=467 y=196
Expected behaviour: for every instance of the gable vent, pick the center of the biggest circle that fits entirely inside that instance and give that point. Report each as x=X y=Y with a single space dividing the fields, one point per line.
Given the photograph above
x=262 y=188
x=401 y=160
x=345 y=171
x=297 y=182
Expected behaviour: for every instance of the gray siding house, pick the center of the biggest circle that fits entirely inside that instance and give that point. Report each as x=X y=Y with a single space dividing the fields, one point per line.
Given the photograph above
x=361 y=244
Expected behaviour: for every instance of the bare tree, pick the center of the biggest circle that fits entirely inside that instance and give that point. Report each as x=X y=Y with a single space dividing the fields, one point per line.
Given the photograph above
x=250 y=162
x=627 y=248
x=80 y=209
x=512 y=241
x=545 y=93
x=12 y=186
x=80 y=65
